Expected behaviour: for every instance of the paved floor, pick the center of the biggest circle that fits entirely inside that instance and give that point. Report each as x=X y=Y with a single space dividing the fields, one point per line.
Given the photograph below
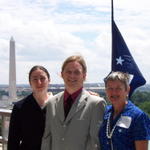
x=148 y=146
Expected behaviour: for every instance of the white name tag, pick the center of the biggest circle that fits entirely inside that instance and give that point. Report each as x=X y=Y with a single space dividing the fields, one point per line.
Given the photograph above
x=124 y=122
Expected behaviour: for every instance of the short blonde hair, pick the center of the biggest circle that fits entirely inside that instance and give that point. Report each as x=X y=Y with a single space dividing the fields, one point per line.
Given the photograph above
x=73 y=58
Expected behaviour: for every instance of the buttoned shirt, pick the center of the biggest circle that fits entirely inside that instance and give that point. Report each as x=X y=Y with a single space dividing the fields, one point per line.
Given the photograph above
x=133 y=125
x=73 y=95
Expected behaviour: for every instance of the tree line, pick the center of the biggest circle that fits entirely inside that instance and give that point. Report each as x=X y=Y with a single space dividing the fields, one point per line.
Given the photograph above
x=139 y=98
x=142 y=100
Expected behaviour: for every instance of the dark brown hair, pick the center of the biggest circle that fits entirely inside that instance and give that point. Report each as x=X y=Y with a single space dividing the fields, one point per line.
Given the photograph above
x=36 y=68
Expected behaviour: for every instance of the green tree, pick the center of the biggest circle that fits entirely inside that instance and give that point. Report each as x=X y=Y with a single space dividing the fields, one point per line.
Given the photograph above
x=145 y=106
x=142 y=100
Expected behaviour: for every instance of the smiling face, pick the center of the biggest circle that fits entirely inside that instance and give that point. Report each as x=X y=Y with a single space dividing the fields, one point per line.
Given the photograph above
x=73 y=76
x=39 y=81
x=116 y=92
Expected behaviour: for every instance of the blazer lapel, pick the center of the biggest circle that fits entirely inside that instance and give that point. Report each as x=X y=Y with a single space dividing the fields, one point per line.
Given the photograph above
x=60 y=106
x=79 y=103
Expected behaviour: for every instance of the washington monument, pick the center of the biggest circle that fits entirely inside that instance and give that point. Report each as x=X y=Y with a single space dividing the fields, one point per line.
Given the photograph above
x=12 y=71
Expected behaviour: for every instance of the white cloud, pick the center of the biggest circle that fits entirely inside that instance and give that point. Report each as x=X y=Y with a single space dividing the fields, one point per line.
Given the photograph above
x=47 y=31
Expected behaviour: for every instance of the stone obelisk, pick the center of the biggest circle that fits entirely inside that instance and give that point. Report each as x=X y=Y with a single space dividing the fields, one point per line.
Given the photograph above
x=12 y=71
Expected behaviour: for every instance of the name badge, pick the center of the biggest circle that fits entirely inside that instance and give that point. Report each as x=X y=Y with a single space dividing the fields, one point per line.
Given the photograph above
x=124 y=122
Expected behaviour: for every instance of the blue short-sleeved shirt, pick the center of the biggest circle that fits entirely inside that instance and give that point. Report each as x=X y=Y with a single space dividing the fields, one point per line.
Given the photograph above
x=133 y=125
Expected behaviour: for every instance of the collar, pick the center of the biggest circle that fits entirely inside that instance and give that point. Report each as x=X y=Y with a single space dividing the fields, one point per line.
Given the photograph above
x=73 y=95
x=127 y=107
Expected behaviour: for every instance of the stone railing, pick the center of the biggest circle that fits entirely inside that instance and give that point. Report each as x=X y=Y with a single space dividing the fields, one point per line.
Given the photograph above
x=5 y=117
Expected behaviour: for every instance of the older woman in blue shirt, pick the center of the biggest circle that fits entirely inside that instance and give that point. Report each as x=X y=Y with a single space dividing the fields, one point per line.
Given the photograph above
x=125 y=126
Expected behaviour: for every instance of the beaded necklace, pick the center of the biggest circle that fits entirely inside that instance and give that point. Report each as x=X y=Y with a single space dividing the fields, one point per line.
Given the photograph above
x=108 y=132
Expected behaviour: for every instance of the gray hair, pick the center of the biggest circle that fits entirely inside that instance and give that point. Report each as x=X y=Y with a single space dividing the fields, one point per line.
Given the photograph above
x=118 y=76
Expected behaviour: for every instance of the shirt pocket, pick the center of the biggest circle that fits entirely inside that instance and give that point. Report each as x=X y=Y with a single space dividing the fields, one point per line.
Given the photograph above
x=122 y=132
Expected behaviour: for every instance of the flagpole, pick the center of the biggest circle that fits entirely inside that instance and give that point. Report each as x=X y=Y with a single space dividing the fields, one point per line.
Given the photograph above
x=120 y=51
x=112 y=10
x=112 y=17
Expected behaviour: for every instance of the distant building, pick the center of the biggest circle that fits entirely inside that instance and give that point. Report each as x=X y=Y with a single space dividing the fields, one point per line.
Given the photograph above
x=12 y=71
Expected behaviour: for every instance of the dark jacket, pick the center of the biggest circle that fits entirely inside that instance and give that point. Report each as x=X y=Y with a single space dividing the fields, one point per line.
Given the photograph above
x=26 y=125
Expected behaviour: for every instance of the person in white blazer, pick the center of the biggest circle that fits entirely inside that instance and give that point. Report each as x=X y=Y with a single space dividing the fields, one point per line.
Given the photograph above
x=77 y=130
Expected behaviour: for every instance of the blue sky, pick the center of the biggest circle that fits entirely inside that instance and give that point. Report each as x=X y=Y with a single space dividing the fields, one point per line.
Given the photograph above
x=46 y=32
